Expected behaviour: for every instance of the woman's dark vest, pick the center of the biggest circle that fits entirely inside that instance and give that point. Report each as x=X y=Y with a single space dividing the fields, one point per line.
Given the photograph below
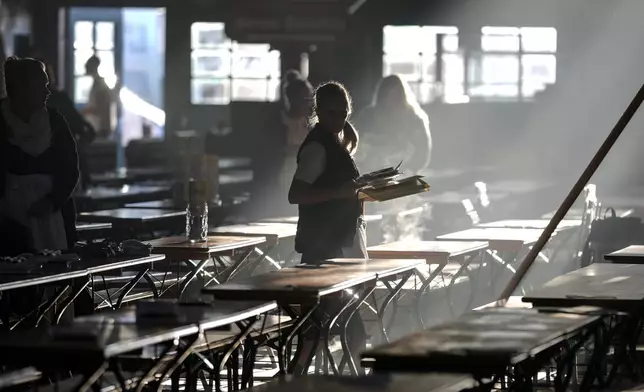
x=325 y=228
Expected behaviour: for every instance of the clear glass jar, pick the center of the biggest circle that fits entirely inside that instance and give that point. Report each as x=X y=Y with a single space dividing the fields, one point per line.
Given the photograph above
x=197 y=212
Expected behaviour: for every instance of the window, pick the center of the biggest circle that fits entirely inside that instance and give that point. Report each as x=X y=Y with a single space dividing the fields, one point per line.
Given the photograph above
x=92 y=38
x=514 y=63
x=412 y=52
x=224 y=70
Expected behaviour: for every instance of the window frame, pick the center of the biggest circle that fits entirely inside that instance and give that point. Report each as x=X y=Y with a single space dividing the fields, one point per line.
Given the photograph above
x=467 y=59
x=518 y=53
x=227 y=78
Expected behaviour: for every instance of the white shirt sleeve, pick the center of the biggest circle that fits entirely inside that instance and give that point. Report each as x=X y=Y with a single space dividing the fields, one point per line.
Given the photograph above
x=312 y=160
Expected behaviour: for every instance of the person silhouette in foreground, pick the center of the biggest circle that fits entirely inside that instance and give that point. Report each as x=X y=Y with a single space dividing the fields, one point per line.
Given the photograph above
x=38 y=165
x=331 y=222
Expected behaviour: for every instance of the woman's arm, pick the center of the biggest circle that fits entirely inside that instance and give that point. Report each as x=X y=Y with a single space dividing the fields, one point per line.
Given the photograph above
x=66 y=172
x=312 y=160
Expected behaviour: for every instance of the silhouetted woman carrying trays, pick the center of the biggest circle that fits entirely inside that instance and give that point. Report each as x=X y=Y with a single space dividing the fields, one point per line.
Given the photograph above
x=331 y=222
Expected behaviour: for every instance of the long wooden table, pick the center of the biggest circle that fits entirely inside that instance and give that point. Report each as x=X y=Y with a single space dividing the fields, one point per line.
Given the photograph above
x=70 y=280
x=613 y=287
x=275 y=234
x=230 y=253
x=500 y=239
x=98 y=198
x=633 y=254
x=94 y=344
x=436 y=254
x=486 y=343
x=132 y=222
x=92 y=231
x=538 y=224
x=304 y=286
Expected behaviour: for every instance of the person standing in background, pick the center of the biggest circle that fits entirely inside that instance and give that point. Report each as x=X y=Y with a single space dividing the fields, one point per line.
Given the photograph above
x=81 y=129
x=394 y=129
x=298 y=106
x=275 y=156
x=100 y=110
x=38 y=165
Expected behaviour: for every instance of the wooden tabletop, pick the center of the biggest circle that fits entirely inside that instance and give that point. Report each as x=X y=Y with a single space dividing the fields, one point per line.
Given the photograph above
x=633 y=254
x=169 y=204
x=235 y=177
x=431 y=251
x=539 y=224
x=514 y=301
x=119 y=333
x=498 y=238
x=51 y=274
x=458 y=197
x=623 y=201
x=93 y=226
x=517 y=186
x=180 y=247
x=97 y=266
x=307 y=283
x=56 y=272
x=137 y=215
x=611 y=286
x=481 y=342
x=372 y=383
x=273 y=232
x=127 y=190
x=166 y=204
x=577 y=213
x=295 y=219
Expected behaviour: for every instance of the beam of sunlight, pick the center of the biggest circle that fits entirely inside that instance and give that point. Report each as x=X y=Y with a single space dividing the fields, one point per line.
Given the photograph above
x=137 y=105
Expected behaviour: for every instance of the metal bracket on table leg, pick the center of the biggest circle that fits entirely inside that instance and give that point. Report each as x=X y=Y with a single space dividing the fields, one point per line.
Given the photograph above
x=235 y=267
x=284 y=342
x=89 y=380
x=41 y=314
x=152 y=371
x=72 y=297
x=264 y=255
x=393 y=293
x=191 y=275
x=331 y=324
x=465 y=265
x=343 y=334
x=562 y=378
x=130 y=285
x=179 y=358
x=232 y=348
x=421 y=292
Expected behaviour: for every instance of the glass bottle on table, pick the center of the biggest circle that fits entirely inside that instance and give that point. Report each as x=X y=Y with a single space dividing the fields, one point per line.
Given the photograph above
x=197 y=211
